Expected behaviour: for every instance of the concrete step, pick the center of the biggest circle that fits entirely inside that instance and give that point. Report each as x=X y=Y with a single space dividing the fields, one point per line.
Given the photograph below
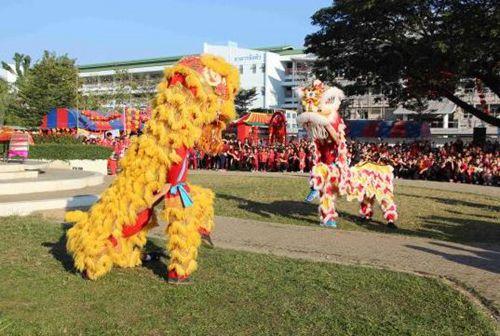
x=15 y=175
x=25 y=204
x=51 y=180
x=23 y=208
x=18 y=166
x=11 y=167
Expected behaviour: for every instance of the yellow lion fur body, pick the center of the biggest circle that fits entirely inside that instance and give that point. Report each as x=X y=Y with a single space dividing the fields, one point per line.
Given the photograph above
x=179 y=118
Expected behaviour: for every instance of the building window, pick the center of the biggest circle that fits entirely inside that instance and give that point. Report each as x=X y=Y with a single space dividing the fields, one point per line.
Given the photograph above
x=254 y=68
x=263 y=90
x=241 y=69
x=262 y=68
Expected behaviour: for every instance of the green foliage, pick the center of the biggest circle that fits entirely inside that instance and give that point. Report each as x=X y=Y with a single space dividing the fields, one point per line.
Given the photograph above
x=52 y=82
x=69 y=152
x=244 y=99
x=234 y=293
x=57 y=139
x=410 y=51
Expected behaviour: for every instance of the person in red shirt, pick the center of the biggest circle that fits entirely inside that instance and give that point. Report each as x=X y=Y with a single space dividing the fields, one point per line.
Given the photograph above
x=224 y=155
x=270 y=160
x=283 y=161
x=193 y=161
x=255 y=160
x=263 y=156
x=108 y=140
x=302 y=159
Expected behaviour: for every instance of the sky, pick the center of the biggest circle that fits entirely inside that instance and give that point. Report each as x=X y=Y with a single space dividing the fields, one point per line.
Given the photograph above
x=94 y=31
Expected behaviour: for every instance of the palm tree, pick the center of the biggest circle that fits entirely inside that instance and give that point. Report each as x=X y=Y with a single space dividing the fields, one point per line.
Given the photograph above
x=21 y=65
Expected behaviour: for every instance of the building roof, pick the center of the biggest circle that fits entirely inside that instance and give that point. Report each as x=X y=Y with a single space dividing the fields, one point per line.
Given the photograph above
x=254 y=119
x=139 y=63
x=433 y=107
x=170 y=60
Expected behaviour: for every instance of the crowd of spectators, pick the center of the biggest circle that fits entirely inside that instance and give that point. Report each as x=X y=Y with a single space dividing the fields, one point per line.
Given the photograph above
x=453 y=162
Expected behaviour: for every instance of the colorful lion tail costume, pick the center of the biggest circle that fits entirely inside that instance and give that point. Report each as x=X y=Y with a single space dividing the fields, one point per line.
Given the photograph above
x=193 y=105
x=331 y=174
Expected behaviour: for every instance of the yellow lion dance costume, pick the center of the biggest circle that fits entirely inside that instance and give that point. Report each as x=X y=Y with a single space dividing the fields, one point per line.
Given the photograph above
x=331 y=174
x=193 y=105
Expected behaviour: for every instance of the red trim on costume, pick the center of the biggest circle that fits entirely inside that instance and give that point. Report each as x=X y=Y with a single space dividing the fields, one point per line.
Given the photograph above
x=173 y=275
x=327 y=151
x=179 y=168
x=180 y=78
x=113 y=240
x=203 y=231
x=142 y=220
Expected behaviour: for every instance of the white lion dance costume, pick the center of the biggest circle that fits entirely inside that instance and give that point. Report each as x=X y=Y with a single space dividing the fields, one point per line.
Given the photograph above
x=331 y=175
x=194 y=103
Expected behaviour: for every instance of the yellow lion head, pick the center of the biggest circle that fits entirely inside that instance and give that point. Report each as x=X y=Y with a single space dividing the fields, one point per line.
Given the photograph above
x=196 y=101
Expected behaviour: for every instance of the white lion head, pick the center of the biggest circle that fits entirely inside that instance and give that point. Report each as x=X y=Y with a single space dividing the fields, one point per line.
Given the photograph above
x=318 y=108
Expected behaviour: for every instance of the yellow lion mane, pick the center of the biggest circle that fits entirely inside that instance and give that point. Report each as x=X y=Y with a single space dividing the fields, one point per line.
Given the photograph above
x=190 y=113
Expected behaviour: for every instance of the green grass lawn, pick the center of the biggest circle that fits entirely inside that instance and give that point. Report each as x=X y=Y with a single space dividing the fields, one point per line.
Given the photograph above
x=445 y=215
x=234 y=293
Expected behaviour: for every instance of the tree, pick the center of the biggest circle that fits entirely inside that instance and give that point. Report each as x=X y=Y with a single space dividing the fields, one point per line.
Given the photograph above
x=244 y=99
x=5 y=100
x=21 y=66
x=52 y=82
x=410 y=50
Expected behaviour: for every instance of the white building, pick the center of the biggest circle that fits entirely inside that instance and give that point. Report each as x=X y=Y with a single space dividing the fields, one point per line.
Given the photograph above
x=275 y=72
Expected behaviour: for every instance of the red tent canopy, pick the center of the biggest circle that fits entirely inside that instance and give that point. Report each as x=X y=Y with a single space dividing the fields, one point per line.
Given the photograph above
x=249 y=125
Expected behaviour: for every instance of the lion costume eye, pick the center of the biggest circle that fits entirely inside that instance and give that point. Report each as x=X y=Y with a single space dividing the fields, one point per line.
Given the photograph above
x=212 y=77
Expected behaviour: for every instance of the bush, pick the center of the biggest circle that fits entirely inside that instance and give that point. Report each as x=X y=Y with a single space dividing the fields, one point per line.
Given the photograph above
x=56 y=139
x=69 y=152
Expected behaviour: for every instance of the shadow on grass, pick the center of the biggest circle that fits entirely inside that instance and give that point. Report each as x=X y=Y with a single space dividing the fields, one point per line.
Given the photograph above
x=158 y=267
x=466 y=230
x=302 y=211
x=59 y=252
x=455 y=202
x=488 y=260
x=288 y=209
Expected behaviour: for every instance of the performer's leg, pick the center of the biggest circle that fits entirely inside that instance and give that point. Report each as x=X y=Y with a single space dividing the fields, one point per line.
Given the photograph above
x=203 y=211
x=89 y=251
x=128 y=248
x=184 y=240
x=317 y=180
x=88 y=243
x=366 y=208
x=328 y=196
x=390 y=211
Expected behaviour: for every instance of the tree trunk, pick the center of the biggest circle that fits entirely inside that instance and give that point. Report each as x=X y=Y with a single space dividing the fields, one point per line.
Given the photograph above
x=487 y=118
x=491 y=82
